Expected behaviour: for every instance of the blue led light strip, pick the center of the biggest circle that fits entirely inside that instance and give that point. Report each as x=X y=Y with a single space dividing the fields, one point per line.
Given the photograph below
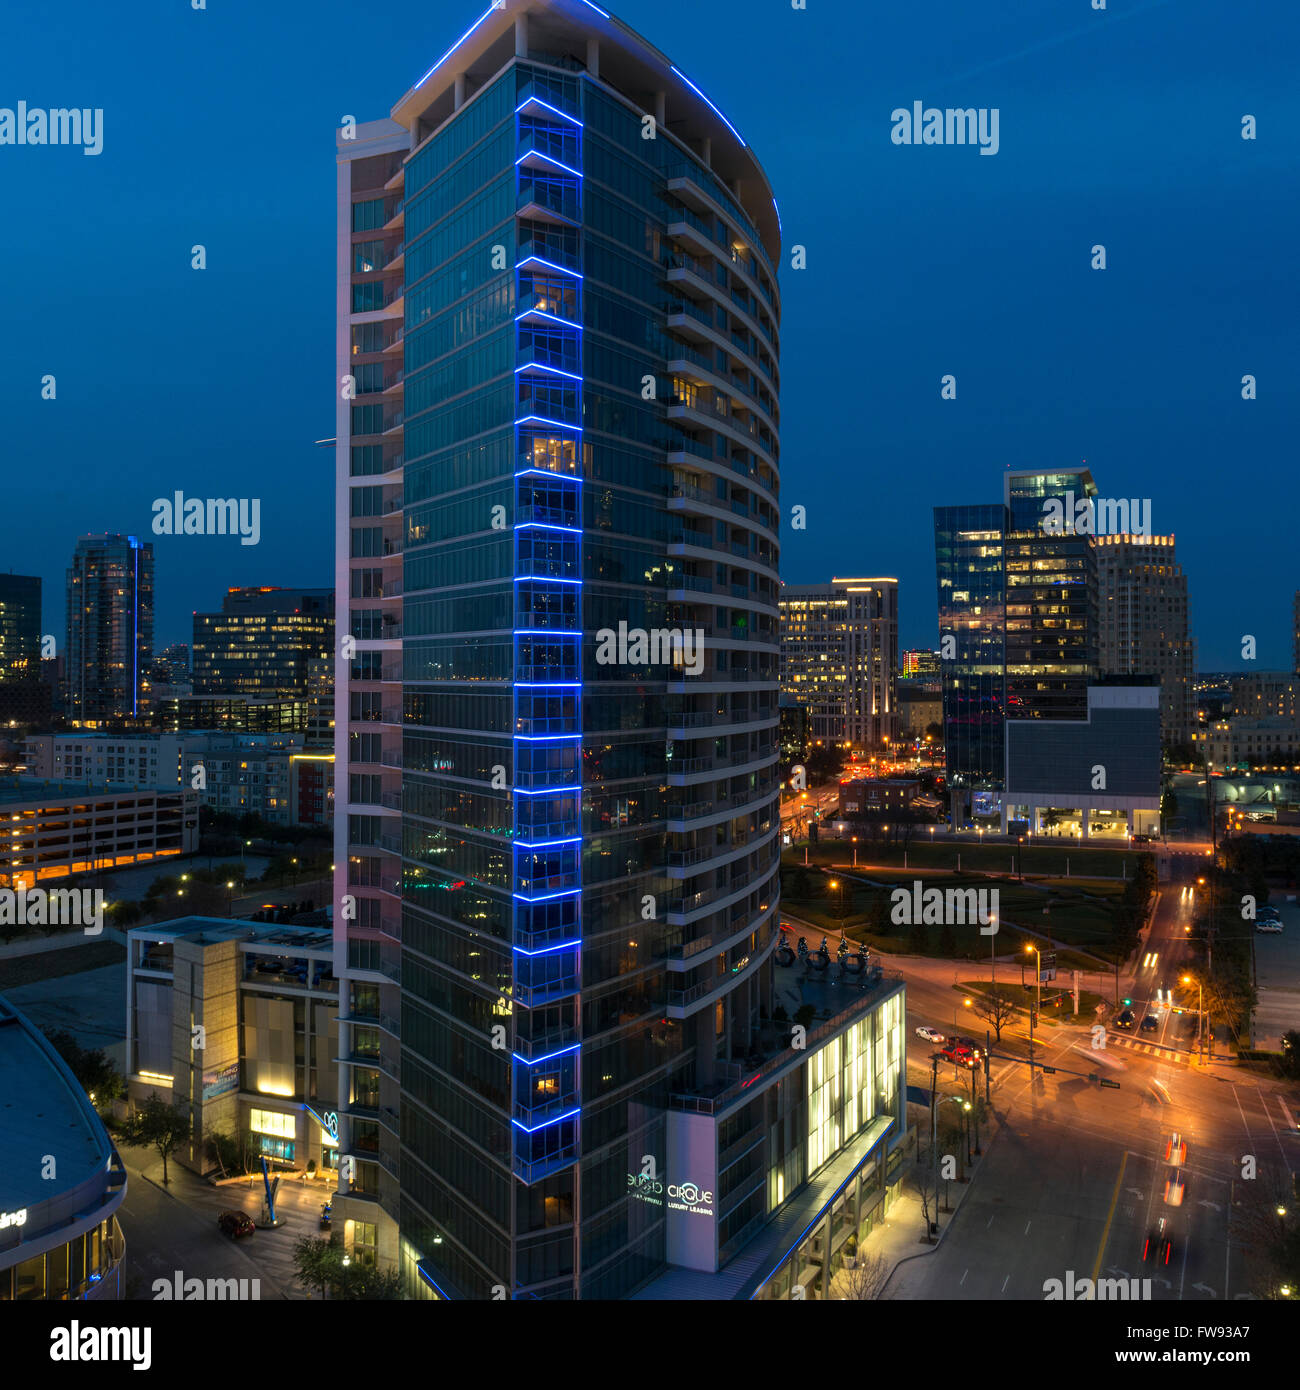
x=560 y=857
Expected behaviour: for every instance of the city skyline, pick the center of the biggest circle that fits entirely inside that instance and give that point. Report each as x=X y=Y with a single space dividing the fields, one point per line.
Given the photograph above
x=1159 y=425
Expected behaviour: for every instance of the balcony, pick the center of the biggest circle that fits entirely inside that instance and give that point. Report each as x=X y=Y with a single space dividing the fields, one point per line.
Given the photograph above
x=545 y=202
x=546 y=1044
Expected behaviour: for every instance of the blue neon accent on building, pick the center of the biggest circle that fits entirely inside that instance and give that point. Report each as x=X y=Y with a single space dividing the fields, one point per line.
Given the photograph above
x=546 y=1124
x=548 y=950
x=537 y=1061
x=546 y=897
x=544 y=525
x=550 y=265
x=711 y=106
x=537 y=101
x=493 y=10
x=550 y=424
x=551 y=318
x=546 y=367
x=544 y=632
x=545 y=791
x=550 y=159
x=547 y=578
x=548 y=844
x=597 y=8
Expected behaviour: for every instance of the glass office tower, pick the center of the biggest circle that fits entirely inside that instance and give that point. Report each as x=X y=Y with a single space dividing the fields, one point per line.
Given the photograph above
x=969 y=546
x=1052 y=597
x=1018 y=622
x=110 y=628
x=557 y=869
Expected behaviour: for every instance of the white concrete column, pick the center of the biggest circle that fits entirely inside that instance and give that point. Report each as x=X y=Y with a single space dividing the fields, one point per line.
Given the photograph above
x=661 y=100
x=593 y=57
x=459 y=98
x=521 y=35
x=708 y=150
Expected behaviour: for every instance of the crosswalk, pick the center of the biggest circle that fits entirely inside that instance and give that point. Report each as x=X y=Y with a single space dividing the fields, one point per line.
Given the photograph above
x=1165 y=1054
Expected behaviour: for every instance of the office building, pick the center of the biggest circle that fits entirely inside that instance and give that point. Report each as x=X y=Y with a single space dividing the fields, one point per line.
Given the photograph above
x=265 y=775
x=1144 y=624
x=1265 y=695
x=1018 y=622
x=1051 y=597
x=20 y=628
x=235 y=714
x=839 y=658
x=63 y=1179
x=1052 y=785
x=266 y=999
x=263 y=642
x=565 y=343
x=969 y=545
x=921 y=664
x=110 y=629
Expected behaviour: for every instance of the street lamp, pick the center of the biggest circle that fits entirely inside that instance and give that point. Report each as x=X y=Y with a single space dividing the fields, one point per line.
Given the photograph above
x=855 y=851
x=1200 y=1022
x=1038 y=974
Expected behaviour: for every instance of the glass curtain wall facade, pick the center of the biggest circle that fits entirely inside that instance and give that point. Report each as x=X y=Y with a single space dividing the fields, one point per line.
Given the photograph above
x=585 y=851
x=1051 y=599
x=969 y=545
x=110 y=628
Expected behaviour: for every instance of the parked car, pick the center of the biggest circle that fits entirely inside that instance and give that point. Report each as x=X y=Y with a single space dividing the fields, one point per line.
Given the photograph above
x=929 y=1034
x=1273 y=928
x=1143 y=839
x=236 y=1224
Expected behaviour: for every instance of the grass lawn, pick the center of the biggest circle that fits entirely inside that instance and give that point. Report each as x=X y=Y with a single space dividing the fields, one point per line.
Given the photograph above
x=922 y=853
x=1071 y=918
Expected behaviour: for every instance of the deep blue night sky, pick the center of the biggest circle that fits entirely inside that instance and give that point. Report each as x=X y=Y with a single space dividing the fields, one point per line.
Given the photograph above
x=1120 y=127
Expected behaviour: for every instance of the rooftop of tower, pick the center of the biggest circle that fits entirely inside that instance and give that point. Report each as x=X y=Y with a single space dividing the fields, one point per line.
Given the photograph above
x=560 y=29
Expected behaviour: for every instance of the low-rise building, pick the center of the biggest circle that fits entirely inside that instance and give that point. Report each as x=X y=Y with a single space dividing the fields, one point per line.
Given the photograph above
x=262 y=1003
x=54 y=829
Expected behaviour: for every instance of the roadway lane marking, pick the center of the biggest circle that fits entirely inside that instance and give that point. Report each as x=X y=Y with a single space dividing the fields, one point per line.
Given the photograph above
x=990 y=1221
x=1291 y=1124
x=1110 y=1216
x=1028 y=1224
x=1005 y=1282
x=962 y=1280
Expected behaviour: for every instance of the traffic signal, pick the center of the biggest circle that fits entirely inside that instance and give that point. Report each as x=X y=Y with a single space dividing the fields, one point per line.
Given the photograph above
x=1127 y=1002
x=1033 y=1018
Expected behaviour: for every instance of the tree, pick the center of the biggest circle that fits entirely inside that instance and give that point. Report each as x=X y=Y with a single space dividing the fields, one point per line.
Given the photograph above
x=317 y=1262
x=156 y=1123
x=866 y=1279
x=997 y=1009
x=1291 y=1053
x=93 y=1069
x=918 y=938
x=922 y=1182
